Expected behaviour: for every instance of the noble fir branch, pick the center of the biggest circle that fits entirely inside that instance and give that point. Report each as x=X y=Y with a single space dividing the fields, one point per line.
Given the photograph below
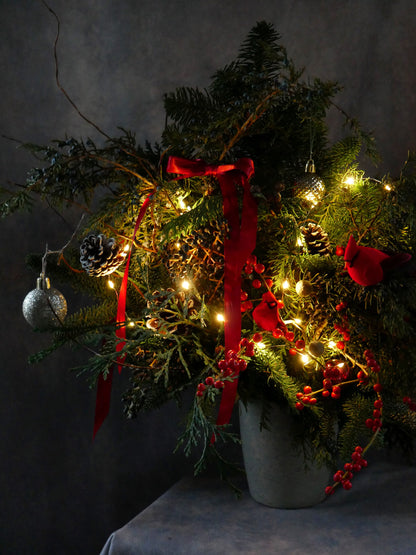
x=199 y=431
x=90 y=317
x=365 y=137
x=342 y=155
x=72 y=170
x=205 y=210
x=42 y=354
x=354 y=431
x=14 y=201
x=262 y=51
x=268 y=373
x=256 y=106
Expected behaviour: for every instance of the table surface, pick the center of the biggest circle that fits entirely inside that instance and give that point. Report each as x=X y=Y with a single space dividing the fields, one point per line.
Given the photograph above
x=203 y=516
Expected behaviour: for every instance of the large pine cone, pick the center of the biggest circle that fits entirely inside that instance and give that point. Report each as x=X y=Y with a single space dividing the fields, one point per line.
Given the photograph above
x=100 y=256
x=316 y=239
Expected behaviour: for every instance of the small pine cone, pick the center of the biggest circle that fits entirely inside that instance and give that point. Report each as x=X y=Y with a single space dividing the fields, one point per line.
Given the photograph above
x=100 y=256
x=316 y=239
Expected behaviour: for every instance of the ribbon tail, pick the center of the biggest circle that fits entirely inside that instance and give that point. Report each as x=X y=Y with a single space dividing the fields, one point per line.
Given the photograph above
x=237 y=248
x=102 y=405
x=232 y=333
x=122 y=296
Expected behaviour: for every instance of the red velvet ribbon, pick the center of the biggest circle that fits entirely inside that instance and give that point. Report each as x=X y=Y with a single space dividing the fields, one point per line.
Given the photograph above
x=237 y=248
x=104 y=385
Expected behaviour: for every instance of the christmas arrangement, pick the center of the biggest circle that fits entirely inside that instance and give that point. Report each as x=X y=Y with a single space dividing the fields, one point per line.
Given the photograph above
x=242 y=257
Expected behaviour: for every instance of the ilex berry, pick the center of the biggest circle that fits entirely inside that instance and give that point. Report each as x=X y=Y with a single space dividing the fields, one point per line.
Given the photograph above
x=256 y=283
x=344 y=477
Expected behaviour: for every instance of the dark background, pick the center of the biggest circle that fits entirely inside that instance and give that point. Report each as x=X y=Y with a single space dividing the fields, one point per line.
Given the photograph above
x=60 y=492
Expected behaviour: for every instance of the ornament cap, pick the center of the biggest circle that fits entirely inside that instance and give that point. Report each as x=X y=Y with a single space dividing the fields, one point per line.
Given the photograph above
x=43 y=282
x=310 y=166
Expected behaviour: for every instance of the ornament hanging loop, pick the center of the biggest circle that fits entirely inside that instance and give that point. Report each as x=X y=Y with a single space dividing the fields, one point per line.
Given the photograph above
x=310 y=166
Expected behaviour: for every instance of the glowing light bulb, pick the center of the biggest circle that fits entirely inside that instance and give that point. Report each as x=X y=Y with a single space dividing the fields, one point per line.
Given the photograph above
x=177 y=245
x=285 y=284
x=110 y=284
x=131 y=324
x=182 y=204
x=220 y=317
x=261 y=345
x=387 y=187
x=305 y=359
x=299 y=242
x=185 y=284
x=349 y=180
x=332 y=344
x=126 y=248
x=297 y=321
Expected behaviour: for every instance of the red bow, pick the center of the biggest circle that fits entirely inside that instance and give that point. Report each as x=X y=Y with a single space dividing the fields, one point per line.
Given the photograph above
x=237 y=248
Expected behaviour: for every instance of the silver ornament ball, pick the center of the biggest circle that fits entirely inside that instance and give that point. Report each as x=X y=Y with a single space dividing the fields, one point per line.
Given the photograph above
x=45 y=306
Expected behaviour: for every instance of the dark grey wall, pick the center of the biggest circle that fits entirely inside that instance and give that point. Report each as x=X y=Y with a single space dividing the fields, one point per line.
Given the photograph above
x=61 y=493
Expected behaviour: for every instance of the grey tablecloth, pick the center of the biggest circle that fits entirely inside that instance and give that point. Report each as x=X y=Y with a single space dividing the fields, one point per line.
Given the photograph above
x=202 y=516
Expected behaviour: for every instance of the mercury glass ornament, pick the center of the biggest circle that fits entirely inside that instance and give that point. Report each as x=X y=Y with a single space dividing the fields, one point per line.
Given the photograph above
x=310 y=186
x=45 y=306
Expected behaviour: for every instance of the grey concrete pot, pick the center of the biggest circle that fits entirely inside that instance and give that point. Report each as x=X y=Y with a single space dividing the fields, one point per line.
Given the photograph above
x=274 y=464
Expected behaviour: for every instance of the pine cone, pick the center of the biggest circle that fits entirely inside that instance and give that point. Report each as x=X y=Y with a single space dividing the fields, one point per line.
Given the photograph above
x=316 y=239
x=100 y=256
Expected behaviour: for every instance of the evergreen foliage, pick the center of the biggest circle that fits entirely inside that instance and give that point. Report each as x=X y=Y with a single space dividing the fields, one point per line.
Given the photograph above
x=259 y=107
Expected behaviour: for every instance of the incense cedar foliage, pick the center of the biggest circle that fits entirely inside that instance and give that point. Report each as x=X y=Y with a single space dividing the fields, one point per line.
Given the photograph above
x=259 y=106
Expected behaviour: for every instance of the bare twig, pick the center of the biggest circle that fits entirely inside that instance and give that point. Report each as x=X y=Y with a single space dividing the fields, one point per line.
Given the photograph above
x=61 y=88
x=60 y=251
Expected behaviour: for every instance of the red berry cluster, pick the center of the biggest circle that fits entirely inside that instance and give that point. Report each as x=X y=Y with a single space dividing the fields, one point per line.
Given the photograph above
x=305 y=398
x=343 y=328
x=335 y=372
x=230 y=365
x=372 y=364
x=210 y=381
x=246 y=304
x=344 y=477
x=299 y=345
x=411 y=404
x=362 y=377
x=252 y=264
x=375 y=423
